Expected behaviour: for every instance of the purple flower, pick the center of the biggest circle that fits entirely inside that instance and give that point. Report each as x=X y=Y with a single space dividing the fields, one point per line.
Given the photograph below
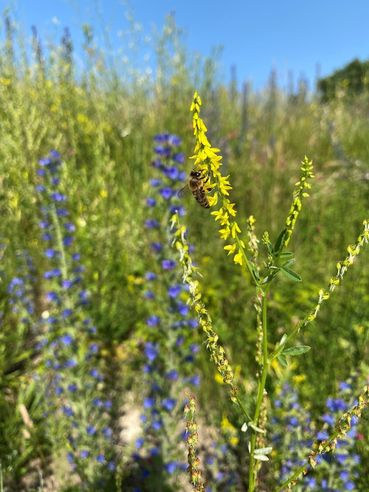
x=157 y=247
x=149 y=402
x=150 y=276
x=67 y=240
x=336 y=405
x=151 y=223
x=66 y=284
x=155 y=182
x=153 y=320
x=66 y=339
x=100 y=458
x=168 y=264
x=139 y=442
x=161 y=137
x=72 y=388
x=107 y=431
x=174 y=140
x=183 y=309
x=40 y=188
x=194 y=380
x=166 y=193
x=91 y=430
x=162 y=151
x=50 y=253
x=328 y=419
x=174 y=290
x=169 y=403
x=148 y=294
x=172 y=173
x=76 y=256
x=58 y=197
x=172 y=375
x=180 y=158
x=93 y=348
x=322 y=435
x=96 y=374
x=44 y=162
x=52 y=297
x=67 y=411
x=62 y=212
x=70 y=363
x=350 y=485
x=157 y=425
x=70 y=227
x=177 y=209
x=150 y=202
x=47 y=236
x=171 y=467
x=84 y=453
x=151 y=351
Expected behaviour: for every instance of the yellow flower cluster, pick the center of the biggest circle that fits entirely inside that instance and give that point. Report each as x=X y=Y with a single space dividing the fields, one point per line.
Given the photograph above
x=217 y=352
x=207 y=160
x=301 y=191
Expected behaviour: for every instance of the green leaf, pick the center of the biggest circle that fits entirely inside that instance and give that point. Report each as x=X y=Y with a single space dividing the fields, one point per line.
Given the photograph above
x=288 y=263
x=291 y=274
x=282 y=341
x=286 y=255
x=282 y=360
x=280 y=241
x=297 y=350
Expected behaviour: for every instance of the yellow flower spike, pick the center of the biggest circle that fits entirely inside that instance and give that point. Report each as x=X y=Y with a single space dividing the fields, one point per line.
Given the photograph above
x=209 y=160
x=231 y=248
x=213 y=200
x=235 y=229
x=238 y=258
x=225 y=233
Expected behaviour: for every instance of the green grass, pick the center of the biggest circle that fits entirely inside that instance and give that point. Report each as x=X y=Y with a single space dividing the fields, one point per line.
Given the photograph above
x=103 y=127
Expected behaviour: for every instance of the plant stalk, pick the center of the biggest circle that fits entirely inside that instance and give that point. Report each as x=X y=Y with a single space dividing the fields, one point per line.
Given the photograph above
x=260 y=395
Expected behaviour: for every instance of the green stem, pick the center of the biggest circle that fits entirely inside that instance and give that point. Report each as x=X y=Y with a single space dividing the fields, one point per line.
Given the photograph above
x=247 y=261
x=261 y=388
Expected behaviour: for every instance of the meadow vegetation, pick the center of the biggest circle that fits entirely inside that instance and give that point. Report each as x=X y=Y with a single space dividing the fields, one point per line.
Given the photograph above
x=95 y=323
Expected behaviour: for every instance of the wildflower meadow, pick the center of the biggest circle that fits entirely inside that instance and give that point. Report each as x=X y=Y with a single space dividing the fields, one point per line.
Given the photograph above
x=162 y=331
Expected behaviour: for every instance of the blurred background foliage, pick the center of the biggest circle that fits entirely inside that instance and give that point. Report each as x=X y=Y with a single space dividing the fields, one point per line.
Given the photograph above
x=103 y=124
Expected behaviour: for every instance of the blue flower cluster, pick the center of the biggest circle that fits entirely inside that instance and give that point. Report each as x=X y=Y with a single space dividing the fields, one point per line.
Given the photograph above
x=70 y=351
x=294 y=432
x=169 y=349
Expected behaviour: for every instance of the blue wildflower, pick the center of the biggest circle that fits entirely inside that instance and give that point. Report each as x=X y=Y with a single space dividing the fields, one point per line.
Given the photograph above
x=168 y=264
x=150 y=202
x=166 y=193
x=169 y=403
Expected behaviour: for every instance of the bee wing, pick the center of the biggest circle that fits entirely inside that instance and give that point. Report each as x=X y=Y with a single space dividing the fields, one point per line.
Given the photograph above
x=182 y=191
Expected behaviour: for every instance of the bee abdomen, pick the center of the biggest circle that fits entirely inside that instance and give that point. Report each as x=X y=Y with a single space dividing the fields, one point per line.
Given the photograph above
x=201 y=197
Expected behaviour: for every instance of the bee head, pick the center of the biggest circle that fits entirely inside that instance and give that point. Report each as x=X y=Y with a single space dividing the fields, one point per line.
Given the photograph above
x=195 y=174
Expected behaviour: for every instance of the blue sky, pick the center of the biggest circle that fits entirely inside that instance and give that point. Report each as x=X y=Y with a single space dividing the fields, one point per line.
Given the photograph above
x=256 y=36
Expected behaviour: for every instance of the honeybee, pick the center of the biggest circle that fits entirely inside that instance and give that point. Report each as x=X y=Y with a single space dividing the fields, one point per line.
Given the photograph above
x=196 y=184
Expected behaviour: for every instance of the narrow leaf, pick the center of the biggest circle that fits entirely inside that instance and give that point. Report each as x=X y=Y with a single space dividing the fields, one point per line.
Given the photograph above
x=282 y=360
x=297 y=350
x=291 y=274
x=280 y=241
